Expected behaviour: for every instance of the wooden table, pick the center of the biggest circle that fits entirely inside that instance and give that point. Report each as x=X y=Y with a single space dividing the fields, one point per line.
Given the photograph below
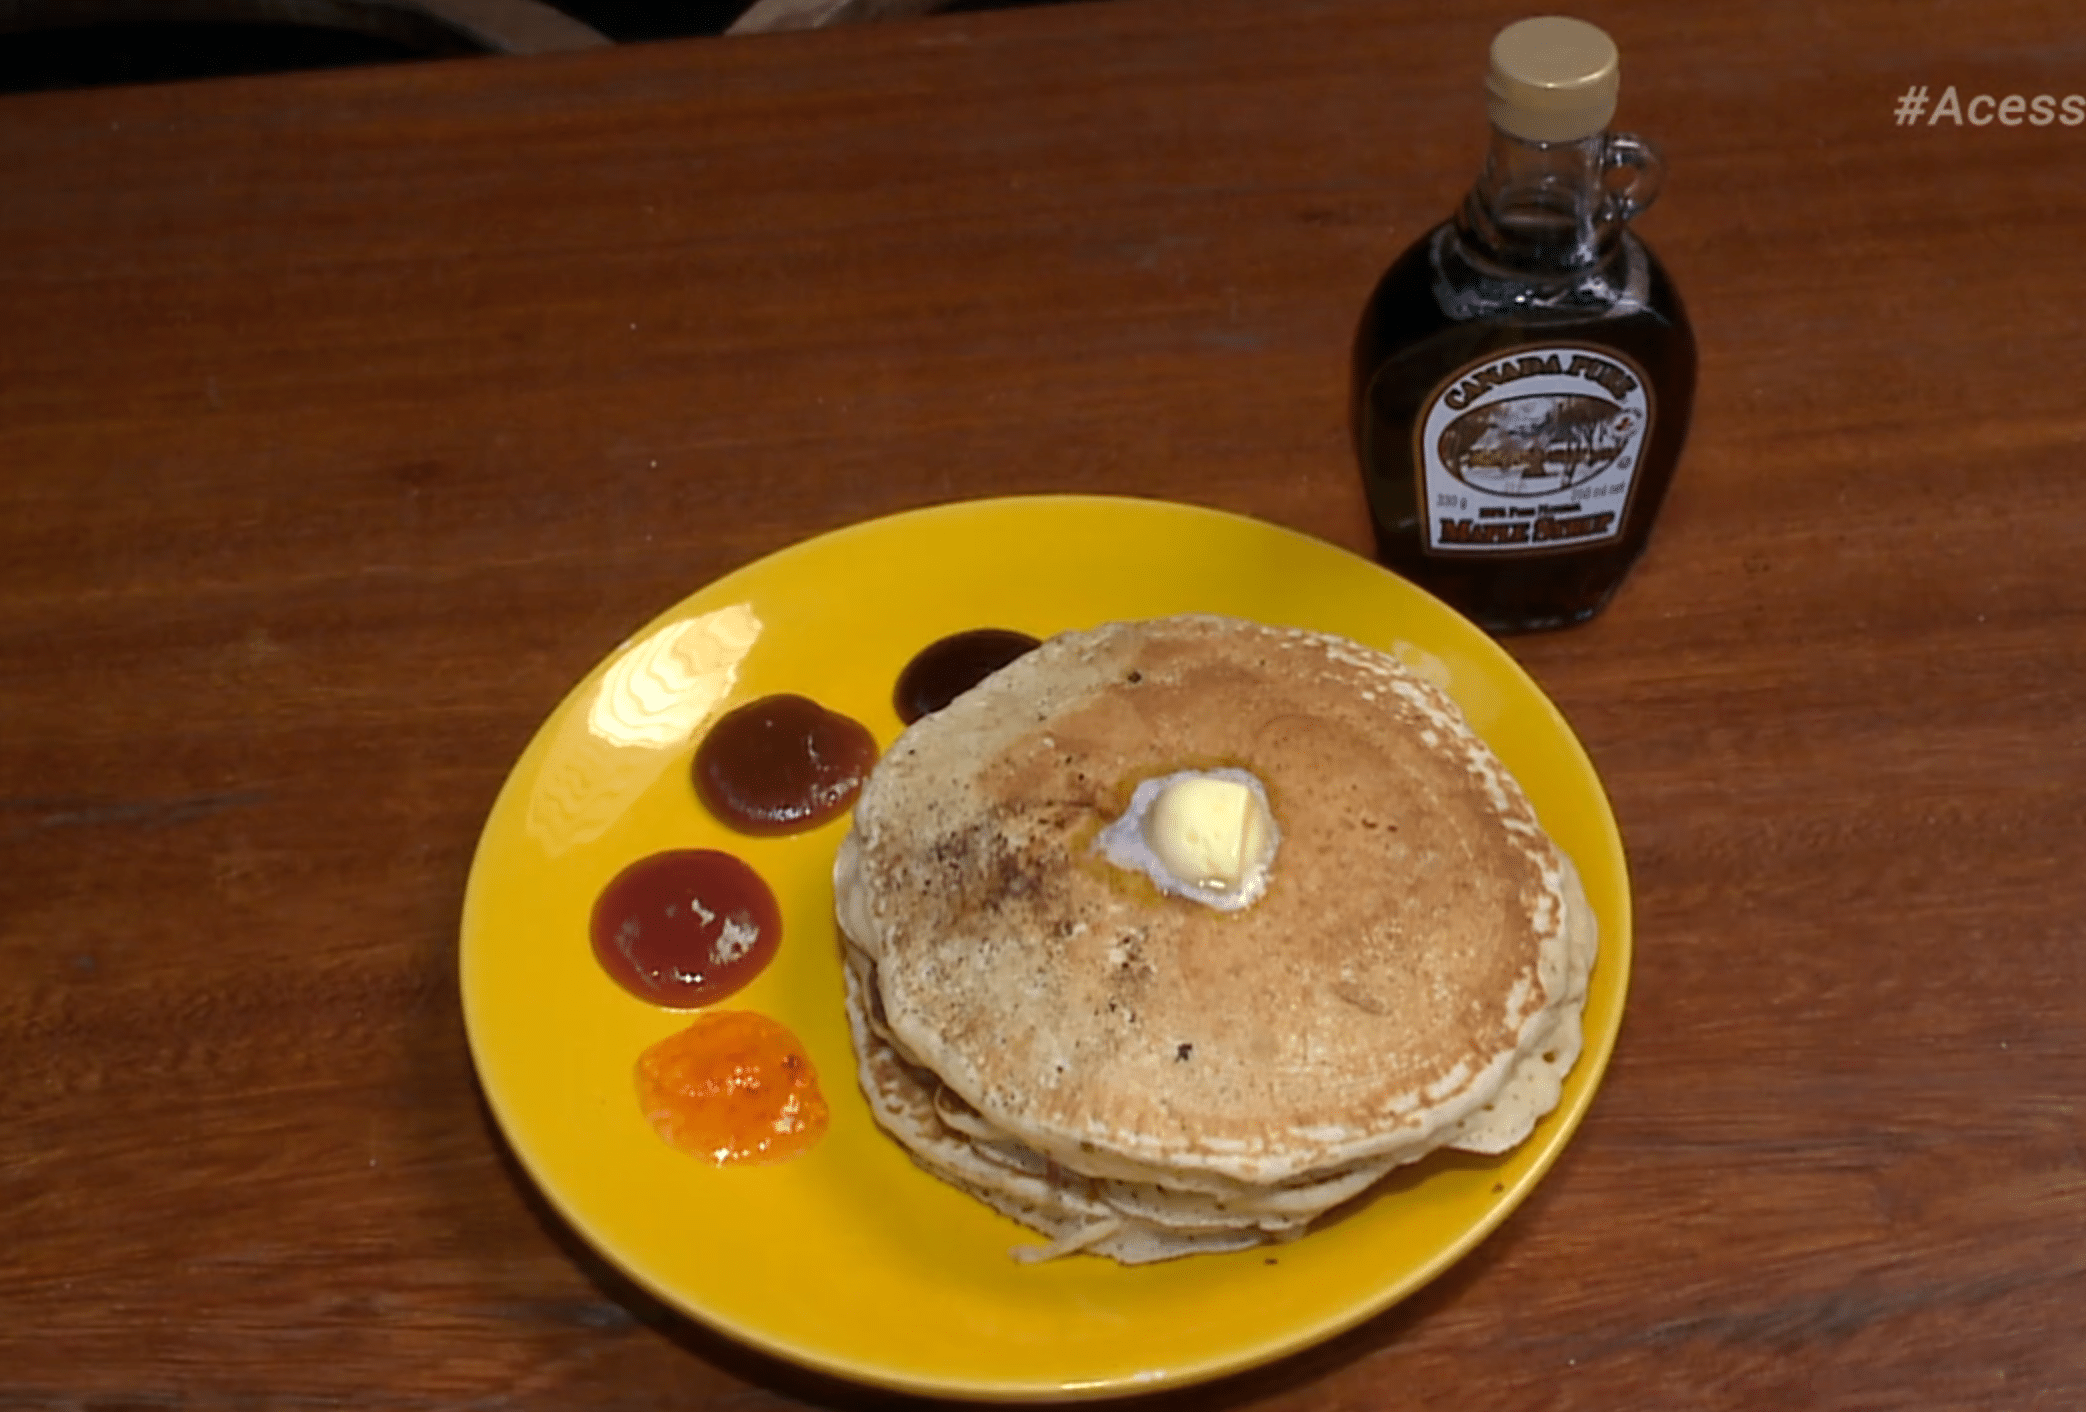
x=346 y=420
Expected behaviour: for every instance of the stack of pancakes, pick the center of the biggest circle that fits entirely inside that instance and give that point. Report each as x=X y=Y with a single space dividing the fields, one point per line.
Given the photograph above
x=1139 y=1074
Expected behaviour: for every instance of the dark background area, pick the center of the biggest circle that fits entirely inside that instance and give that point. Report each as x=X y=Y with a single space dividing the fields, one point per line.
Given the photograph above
x=87 y=56
x=627 y=21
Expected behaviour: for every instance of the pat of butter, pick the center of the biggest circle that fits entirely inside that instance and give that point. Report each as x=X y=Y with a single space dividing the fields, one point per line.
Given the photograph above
x=1208 y=831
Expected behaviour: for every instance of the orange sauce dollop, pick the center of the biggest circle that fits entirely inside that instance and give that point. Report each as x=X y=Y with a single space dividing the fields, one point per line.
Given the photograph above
x=735 y=1086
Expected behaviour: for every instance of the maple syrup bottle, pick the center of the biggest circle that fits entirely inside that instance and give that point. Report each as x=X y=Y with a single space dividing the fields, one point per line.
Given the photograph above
x=1523 y=374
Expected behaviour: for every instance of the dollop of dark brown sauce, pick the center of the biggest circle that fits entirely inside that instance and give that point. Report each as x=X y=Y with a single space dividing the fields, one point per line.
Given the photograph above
x=686 y=928
x=782 y=764
x=944 y=670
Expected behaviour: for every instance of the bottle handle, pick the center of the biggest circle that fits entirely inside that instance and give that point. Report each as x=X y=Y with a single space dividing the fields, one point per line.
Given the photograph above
x=1632 y=173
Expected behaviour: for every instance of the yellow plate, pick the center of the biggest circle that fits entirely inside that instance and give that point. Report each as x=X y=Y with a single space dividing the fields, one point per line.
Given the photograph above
x=849 y=1259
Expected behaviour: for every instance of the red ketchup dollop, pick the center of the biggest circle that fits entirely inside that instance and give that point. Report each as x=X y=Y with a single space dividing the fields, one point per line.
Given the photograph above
x=782 y=764
x=944 y=670
x=686 y=928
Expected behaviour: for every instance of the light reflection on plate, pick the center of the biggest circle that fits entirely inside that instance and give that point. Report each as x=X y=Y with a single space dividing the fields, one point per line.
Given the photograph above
x=655 y=695
x=849 y=1259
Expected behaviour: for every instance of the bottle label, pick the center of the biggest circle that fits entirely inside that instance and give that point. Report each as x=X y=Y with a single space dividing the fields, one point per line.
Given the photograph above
x=1531 y=451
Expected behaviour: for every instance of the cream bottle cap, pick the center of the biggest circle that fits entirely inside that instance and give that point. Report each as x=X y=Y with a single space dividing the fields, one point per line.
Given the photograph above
x=1553 y=79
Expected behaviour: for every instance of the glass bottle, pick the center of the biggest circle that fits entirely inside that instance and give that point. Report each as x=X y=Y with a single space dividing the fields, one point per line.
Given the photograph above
x=1523 y=374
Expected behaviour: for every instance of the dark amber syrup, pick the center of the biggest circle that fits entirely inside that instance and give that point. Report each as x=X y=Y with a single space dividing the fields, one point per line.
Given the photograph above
x=1407 y=345
x=948 y=667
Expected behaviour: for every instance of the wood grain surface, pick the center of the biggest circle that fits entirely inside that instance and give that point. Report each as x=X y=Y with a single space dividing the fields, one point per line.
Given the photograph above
x=346 y=420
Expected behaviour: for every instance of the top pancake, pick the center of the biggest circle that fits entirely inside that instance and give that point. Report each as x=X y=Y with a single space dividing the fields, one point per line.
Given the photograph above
x=1410 y=944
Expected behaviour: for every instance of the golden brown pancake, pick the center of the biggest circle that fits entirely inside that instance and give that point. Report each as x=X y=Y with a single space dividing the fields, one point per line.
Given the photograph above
x=1141 y=1072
